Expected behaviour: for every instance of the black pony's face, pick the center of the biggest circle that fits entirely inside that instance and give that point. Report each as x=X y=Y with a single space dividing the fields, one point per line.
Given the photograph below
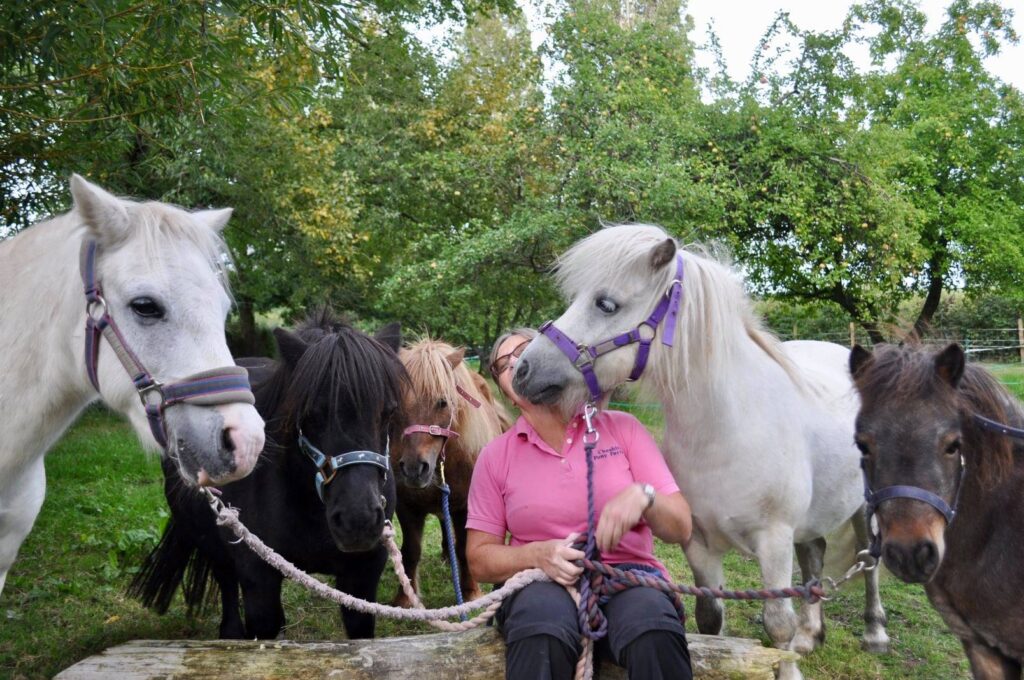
x=911 y=437
x=352 y=387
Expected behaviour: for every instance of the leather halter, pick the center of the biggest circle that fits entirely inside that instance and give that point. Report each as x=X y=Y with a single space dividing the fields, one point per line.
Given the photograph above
x=874 y=499
x=437 y=430
x=328 y=466
x=225 y=385
x=583 y=356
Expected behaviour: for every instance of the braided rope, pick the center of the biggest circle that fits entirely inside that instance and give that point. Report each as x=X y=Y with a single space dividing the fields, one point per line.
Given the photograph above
x=449 y=534
x=228 y=517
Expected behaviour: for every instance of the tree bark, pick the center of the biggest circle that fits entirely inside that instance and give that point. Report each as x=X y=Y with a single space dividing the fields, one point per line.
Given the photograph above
x=478 y=654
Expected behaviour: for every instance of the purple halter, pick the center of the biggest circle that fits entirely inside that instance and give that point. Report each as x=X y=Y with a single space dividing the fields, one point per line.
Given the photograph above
x=229 y=384
x=583 y=356
x=873 y=499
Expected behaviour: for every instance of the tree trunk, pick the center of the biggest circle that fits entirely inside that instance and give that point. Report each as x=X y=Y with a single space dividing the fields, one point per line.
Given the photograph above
x=247 y=330
x=478 y=654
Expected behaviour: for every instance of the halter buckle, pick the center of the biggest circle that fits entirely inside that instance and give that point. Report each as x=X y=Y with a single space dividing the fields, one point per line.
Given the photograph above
x=435 y=431
x=155 y=388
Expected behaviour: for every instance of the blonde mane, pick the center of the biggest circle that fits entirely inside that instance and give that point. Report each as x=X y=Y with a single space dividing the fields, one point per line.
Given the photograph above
x=433 y=378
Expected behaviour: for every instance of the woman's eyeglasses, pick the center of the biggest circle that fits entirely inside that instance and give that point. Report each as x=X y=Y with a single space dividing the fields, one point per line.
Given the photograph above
x=501 y=363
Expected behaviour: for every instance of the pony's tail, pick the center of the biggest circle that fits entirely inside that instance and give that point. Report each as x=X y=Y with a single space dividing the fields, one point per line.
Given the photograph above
x=175 y=561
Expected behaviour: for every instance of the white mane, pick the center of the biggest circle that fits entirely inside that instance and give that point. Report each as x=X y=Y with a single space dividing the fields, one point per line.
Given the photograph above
x=715 y=317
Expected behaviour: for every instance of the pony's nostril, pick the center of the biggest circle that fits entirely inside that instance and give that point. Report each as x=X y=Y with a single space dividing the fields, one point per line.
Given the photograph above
x=926 y=556
x=522 y=369
x=226 y=442
x=891 y=555
x=424 y=468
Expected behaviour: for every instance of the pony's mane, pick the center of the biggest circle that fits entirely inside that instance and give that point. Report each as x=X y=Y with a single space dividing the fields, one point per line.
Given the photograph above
x=906 y=372
x=715 y=314
x=432 y=377
x=341 y=365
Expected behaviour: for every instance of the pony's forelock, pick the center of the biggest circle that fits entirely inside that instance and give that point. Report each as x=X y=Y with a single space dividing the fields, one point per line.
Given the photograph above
x=432 y=377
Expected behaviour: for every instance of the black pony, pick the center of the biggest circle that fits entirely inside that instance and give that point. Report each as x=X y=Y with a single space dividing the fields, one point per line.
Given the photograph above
x=336 y=390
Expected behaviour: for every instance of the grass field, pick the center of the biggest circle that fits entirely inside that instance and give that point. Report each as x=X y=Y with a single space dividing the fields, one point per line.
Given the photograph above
x=64 y=598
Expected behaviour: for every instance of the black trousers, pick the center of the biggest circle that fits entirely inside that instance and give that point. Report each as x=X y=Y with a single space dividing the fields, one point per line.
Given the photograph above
x=542 y=638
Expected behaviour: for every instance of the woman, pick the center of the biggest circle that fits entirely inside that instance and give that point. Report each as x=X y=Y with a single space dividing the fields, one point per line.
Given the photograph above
x=531 y=483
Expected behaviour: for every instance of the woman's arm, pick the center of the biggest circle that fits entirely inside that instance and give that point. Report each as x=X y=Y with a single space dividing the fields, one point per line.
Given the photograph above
x=668 y=517
x=491 y=561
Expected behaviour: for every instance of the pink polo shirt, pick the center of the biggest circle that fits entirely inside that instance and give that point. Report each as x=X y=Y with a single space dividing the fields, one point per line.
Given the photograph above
x=522 y=487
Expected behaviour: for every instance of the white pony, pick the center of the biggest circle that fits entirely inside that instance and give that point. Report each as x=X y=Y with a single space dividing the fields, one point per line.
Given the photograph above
x=161 y=272
x=759 y=434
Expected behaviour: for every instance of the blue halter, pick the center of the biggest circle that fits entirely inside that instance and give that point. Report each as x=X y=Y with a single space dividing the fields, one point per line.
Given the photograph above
x=328 y=466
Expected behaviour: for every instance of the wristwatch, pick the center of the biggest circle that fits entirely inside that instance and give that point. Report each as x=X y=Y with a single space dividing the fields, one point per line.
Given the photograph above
x=649 y=492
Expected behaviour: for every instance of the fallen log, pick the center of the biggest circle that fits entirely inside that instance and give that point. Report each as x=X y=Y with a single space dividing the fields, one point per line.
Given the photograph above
x=477 y=654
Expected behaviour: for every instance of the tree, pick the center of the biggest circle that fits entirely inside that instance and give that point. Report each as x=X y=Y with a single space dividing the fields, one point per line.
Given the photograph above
x=866 y=188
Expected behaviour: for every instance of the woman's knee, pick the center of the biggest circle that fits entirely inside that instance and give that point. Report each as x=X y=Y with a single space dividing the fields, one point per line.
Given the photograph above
x=658 y=654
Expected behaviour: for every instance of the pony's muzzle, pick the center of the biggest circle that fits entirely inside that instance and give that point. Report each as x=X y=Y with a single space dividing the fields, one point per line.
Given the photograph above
x=913 y=545
x=213 y=445
x=913 y=563
x=414 y=472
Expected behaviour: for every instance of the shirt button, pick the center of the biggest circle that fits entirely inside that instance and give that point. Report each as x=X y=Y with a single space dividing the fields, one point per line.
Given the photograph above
x=569 y=440
x=563 y=461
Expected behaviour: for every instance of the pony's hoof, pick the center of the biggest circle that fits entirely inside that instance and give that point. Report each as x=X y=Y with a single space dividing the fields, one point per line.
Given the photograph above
x=401 y=600
x=471 y=595
x=804 y=643
x=789 y=671
x=876 y=644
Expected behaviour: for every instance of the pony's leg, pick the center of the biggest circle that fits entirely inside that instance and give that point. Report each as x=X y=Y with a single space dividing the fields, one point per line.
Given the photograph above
x=412 y=547
x=360 y=577
x=18 y=511
x=707 y=572
x=989 y=664
x=875 y=638
x=231 y=626
x=470 y=588
x=811 y=632
x=261 y=599
x=774 y=550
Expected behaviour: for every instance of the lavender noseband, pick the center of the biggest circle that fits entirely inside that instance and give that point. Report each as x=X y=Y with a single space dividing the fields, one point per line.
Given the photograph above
x=225 y=385
x=582 y=356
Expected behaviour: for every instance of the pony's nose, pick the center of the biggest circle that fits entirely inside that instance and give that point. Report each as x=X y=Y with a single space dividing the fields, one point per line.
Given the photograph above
x=414 y=470
x=521 y=371
x=915 y=563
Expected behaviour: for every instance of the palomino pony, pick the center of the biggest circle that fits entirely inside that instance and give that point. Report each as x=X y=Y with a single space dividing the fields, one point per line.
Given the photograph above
x=150 y=279
x=943 y=470
x=452 y=416
x=320 y=495
x=758 y=434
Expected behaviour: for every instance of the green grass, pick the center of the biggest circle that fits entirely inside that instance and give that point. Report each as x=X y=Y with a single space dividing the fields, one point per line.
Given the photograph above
x=105 y=508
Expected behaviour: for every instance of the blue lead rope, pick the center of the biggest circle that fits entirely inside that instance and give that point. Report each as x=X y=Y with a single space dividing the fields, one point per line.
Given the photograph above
x=449 y=535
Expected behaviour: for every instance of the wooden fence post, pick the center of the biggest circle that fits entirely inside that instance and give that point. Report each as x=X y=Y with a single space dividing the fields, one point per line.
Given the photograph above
x=1020 y=337
x=853 y=334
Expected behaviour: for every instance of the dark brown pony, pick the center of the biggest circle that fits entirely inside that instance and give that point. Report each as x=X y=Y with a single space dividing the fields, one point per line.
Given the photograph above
x=921 y=426
x=442 y=392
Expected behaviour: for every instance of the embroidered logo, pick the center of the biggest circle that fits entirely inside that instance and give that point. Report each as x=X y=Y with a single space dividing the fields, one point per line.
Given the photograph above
x=608 y=452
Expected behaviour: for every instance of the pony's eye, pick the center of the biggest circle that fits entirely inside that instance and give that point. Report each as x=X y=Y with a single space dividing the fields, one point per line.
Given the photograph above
x=147 y=308
x=606 y=305
x=863 y=448
x=953 y=447
x=441 y=403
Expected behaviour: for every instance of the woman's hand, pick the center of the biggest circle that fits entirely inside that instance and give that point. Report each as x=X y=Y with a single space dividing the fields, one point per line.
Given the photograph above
x=556 y=558
x=620 y=514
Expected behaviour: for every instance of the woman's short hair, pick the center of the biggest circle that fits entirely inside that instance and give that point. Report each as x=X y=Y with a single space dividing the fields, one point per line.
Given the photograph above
x=528 y=333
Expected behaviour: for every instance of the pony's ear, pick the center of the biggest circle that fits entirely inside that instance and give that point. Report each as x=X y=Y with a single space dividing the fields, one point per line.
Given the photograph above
x=390 y=335
x=663 y=253
x=215 y=220
x=104 y=214
x=456 y=357
x=290 y=345
x=949 y=364
x=859 y=358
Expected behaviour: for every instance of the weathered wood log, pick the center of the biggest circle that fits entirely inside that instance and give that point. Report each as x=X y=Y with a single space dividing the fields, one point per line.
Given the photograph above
x=478 y=654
